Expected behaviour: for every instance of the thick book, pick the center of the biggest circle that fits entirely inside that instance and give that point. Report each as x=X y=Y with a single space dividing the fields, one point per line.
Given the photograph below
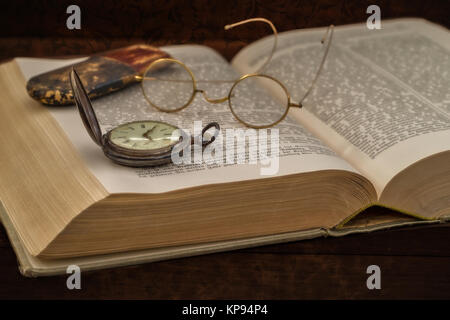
x=375 y=131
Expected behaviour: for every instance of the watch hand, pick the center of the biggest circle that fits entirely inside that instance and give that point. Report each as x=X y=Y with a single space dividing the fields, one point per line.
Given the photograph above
x=149 y=131
x=153 y=128
x=146 y=134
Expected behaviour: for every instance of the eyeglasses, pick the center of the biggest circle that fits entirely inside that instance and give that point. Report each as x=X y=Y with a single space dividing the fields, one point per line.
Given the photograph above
x=248 y=89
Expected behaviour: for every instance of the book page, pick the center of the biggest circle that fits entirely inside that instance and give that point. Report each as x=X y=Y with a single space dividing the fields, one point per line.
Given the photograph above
x=299 y=151
x=382 y=101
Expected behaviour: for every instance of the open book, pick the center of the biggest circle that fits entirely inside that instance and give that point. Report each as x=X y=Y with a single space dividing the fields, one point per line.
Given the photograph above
x=375 y=130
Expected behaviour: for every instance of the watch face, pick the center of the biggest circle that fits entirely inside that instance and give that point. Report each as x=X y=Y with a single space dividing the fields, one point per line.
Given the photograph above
x=145 y=135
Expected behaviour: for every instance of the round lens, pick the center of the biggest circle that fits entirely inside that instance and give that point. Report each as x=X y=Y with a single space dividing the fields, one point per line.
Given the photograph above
x=168 y=85
x=259 y=101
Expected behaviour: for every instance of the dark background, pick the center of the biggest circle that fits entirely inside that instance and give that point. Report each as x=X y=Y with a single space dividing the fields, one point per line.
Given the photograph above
x=38 y=28
x=414 y=262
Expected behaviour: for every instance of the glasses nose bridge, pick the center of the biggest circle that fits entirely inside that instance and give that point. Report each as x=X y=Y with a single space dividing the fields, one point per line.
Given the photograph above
x=295 y=105
x=215 y=101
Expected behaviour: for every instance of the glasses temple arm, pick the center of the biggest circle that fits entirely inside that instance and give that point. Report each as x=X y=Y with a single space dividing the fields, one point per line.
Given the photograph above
x=329 y=31
x=274 y=47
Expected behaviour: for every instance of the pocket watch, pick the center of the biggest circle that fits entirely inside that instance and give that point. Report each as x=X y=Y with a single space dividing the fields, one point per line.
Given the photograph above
x=136 y=144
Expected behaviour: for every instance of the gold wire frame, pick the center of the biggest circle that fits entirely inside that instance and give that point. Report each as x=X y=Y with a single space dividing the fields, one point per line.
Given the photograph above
x=288 y=105
x=195 y=90
x=194 y=84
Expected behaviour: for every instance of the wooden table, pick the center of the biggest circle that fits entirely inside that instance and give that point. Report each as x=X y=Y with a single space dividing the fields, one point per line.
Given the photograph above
x=414 y=262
